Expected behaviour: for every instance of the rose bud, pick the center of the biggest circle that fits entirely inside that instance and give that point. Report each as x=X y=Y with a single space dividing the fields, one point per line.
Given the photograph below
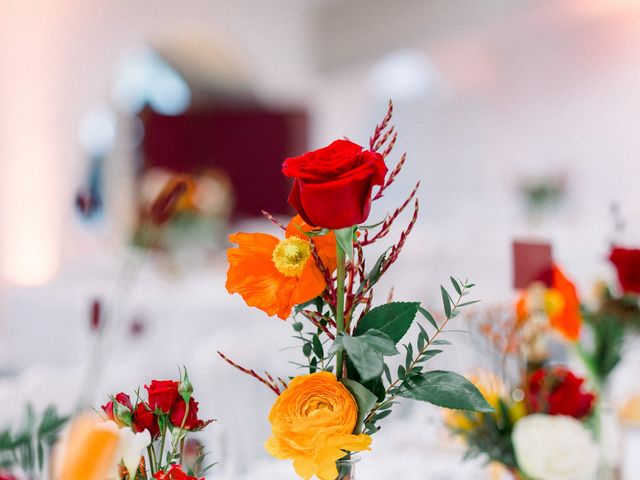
x=117 y=407
x=162 y=395
x=332 y=186
x=185 y=389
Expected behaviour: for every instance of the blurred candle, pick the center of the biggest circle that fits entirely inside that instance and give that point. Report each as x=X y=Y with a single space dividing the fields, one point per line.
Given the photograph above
x=30 y=162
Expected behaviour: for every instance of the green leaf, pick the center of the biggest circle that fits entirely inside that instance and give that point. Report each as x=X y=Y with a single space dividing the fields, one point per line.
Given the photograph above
x=344 y=237
x=317 y=346
x=365 y=399
x=379 y=341
x=394 y=319
x=429 y=317
x=366 y=351
x=445 y=389
x=456 y=285
x=374 y=274
x=428 y=354
x=446 y=301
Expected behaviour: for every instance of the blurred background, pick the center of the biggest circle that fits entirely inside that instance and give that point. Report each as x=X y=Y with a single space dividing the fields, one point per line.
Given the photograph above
x=520 y=118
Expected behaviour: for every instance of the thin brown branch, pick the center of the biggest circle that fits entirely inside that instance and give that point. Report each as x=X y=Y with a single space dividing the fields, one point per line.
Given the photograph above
x=385 y=228
x=272 y=386
x=391 y=177
x=273 y=220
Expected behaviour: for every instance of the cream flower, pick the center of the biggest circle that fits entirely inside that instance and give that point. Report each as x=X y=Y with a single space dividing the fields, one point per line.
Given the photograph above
x=130 y=447
x=554 y=448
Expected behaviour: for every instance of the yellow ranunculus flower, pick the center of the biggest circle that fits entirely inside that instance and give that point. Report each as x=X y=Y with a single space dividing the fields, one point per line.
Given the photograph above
x=312 y=423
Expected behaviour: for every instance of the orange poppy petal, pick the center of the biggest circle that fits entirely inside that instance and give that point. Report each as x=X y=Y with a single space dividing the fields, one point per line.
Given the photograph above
x=568 y=321
x=324 y=244
x=310 y=284
x=252 y=273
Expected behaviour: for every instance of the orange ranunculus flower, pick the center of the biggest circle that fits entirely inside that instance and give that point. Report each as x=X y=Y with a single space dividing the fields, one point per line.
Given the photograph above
x=564 y=315
x=274 y=275
x=312 y=423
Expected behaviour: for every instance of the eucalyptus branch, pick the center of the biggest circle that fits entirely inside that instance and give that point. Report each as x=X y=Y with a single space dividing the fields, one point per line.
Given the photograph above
x=391 y=392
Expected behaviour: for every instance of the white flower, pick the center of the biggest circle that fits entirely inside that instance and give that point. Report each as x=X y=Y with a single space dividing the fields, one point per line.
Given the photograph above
x=554 y=448
x=130 y=447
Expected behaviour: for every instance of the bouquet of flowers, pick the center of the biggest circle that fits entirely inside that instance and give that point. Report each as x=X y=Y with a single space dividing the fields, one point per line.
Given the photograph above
x=539 y=430
x=320 y=275
x=112 y=447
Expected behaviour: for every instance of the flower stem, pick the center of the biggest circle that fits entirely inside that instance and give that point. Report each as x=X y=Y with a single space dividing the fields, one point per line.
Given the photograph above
x=340 y=259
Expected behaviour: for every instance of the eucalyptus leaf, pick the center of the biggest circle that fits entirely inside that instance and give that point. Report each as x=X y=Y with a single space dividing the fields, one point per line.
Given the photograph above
x=446 y=301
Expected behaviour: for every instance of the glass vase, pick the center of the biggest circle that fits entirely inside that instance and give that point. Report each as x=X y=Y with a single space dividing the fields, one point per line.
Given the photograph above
x=608 y=433
x=347 y=467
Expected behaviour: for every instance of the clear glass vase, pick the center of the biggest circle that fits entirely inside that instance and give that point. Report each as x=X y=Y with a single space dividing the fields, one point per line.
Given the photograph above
x=347 y=467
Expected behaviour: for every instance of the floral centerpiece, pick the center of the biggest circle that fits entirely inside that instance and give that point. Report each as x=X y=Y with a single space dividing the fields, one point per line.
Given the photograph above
x=112 y=447
x=614 y=317
x=319 y=275
x=539 y=430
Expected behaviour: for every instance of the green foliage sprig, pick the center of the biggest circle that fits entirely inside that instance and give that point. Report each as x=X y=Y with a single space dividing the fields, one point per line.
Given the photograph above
x=28 y=448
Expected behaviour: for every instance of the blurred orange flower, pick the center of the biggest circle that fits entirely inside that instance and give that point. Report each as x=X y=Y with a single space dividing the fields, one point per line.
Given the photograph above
x=274 y=275
x=312 y=423
x=565 y=316
x=90 y=450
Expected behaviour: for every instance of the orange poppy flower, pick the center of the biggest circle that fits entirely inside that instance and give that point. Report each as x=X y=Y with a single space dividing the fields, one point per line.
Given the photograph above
x=274 y=275
x=565 y=317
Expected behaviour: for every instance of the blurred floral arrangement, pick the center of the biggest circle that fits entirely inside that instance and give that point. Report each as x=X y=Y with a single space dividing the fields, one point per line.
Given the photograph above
x=319 y=274
x=201 y=214
x=112 y=447
x=542 y=194
x=613 y=318
x=540 y=428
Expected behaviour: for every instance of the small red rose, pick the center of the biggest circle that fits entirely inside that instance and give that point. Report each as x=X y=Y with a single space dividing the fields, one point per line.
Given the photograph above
x=332 y=186
x=627 y=263
x=174 y=473
x=145 y=419
x=177 y=415
x=162 y=395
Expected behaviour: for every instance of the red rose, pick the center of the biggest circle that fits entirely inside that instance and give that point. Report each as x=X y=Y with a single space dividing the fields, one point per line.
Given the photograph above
x=121 y=398
x=145 y=419
x=558 y=391
x=627 y=263
x=162 y=395
x=178 y=412
x=174 y=473
x=332 y=186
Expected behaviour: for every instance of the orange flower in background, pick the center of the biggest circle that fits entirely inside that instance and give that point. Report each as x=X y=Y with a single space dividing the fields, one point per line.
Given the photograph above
x=312 y=424
x=90 y=450
x=564 y=306
x=275 y=275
